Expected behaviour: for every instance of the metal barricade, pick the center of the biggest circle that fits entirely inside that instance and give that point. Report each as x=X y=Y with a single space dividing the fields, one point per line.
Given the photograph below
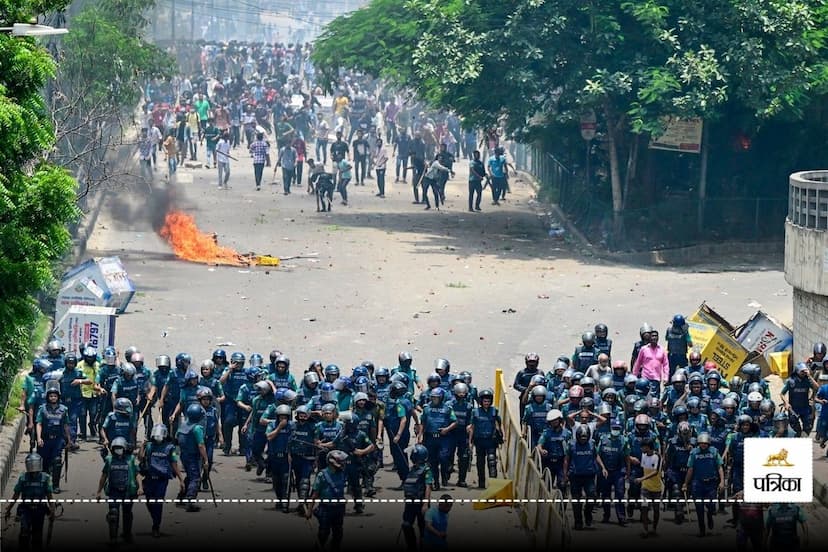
x=540 y=506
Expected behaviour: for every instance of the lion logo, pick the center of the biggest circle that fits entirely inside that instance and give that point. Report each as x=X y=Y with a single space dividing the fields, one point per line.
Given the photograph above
x=778 y=459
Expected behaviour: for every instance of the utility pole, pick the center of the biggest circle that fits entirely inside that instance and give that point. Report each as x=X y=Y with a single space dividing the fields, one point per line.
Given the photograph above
x=172 y=22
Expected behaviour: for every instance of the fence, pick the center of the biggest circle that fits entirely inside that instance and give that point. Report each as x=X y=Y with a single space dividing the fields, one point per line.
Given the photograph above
x=674 y=221
x=539 y=504
x=808 y=205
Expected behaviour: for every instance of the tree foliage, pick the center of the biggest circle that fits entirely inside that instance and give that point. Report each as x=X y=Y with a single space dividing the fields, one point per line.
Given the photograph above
x=538 y=64
x=37 y=200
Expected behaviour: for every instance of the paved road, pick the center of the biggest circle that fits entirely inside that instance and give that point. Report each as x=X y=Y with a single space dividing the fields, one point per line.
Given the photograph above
x=480 y=289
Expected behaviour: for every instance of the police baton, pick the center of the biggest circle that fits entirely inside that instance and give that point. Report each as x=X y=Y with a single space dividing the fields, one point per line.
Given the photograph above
x=66 y=463
x=210 y=485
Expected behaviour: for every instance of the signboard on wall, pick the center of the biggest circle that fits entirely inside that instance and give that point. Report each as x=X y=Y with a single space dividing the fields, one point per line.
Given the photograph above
x=681 y=135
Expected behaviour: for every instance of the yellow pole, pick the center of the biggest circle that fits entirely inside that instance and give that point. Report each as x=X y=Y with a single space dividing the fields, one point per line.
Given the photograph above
x=498 y=387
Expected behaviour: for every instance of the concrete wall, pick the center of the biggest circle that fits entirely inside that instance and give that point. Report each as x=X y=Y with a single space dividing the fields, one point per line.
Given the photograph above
x=806 y=258
x=810 y=322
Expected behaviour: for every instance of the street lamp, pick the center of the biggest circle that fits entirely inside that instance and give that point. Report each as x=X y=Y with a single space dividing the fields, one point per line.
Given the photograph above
x=27 y=29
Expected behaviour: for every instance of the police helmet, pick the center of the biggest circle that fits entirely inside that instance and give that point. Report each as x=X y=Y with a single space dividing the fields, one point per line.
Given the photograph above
x=604 y=410
x=553 y=415
x=780 y=417
x=436 y=393
x=729 y=402
x=128 y=371
x=819 y=348
x=577 y=377
x=486 y=394
x=654 y=403
x=34 y=462
x=582 y=432
x=678 y=378
x=537 y=379
x=684 y=428
x=434 y=377
x=419 y=454
x=587 y=381
x=587 y=403
x=605 y=382
x=398 y=389
x=282 y=361
x=237 y=357
x=693 y=403
x=460 y=389
x=194 y=413
x=642 y=420
x=751 y=370
x=302 y=409
x=131 y=350
x=70 y=360
x=118 y=446
x=678 y=320
x=158 y=433
x=703 y=438
x=754 y=397
x=619 y=365
x=743 y=419
x=190 y=375
x=315 y=365
x=382 y=372
x=644 y=329
x=601 y=330
x=405 y=358
x=123 y=406
x=220 y=356
x=342 y=383
x=283 y=410
x=311 y=379
x=262 y=387
x=360 y=396
x=630 y=379
x=204 y=393
x=368 y=365
x=359 y=372
x=694 y=356
x=163 y=361
x=442 y=364
x=714 y=376
x=328 y=408
x=588 y=339
x=401 y=377
x=642 y=386
x=540 y=391
x=466 y=377
x=736 y=383
x=285 y=395
x=183 y=361
x=609 y=392
x=362 y=383
x=331 y=372
x=640 y=406
x=52 y=386
x=55 y=346
x=679 y=410
x=110 y=356
x=531 y=358
x=629 y=401
x=41 y=365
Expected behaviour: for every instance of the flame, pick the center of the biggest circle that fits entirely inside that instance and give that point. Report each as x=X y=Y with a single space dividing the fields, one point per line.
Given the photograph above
x=191 y=244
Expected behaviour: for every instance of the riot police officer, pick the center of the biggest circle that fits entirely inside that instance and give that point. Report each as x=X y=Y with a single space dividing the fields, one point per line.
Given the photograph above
x=107 y=375
x=193 y=453
x=70 y=394
x=280 y=373
x=398 y=416
x=52 y=421
x=33 y=396
x=676 y=456
x=212 y=430
x=417 y=493
x=126 y=387
x=678 y=343
x=368 y=420
x=437 y=422
x=120 y=423
x=485 y=434
x=602 y=342
x=328 y=432
x=278 y=434
x=580 y=469
x=462 y=407
x=800 y=389
x=357 y=446
x=585 y=354
x=644 y=333
x=611 y=457
x=534 y=415
x=405 y=366
x=782 y=523
x=329 y=489
x=171 y=392
x=35 y=488
x=705 y=477
x=302 y=454
x=119 y=478
x=553 y=445
x=232 y=379
x=158 y=463
x=256 y=424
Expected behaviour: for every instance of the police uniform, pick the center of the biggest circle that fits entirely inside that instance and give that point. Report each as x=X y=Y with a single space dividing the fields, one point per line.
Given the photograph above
x=677 y=345
x=584 y=357
x=634 y=440
x=351 y=440
x=285 y=380
x=678 y=453
x=70 y=395
x=582 y=471
x=414 y=492
x=157 y=469
x=263 y=409
x=613 y=451
x=53 y=421
x=534 y=416
x=459 y=437
x=107 y=375
x=117 y=425
x=367 y=421
x=327 y=432
x=174 y=385
x=439 y=446
x=121 y=483
x=302 y=455
x=556 y=443
x=705 y=482
x=396 y=411
x=799 y=394
x=782 y=522
x=143 y=376
x=35 y=486
x=190 y=436
x=484 y=421
x=278 y=460
x=330 y=486
x=231 y=415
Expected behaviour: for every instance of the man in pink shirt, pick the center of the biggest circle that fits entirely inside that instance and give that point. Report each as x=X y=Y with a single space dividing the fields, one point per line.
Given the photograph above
x=652 y=364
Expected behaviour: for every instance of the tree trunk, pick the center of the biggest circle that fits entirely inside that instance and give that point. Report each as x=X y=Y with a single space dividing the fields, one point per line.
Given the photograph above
x=632 y=168
x=615 y=176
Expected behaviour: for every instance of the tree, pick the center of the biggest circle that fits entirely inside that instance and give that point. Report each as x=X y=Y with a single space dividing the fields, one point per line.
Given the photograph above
x=37 y=199
x=537 y=64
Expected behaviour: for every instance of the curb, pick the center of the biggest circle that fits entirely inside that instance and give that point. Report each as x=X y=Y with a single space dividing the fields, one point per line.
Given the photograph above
x=679 y=256
x=11 y=435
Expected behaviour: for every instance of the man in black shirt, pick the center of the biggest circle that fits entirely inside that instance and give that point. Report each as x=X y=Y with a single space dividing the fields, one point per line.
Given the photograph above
x=447 y=160
x=416 y=150
x=339 y=149
x=477 y=172
x=360 y=149
x=401 y=145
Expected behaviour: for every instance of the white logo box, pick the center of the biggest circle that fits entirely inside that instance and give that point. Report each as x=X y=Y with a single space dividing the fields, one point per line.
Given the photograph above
x=770 y=478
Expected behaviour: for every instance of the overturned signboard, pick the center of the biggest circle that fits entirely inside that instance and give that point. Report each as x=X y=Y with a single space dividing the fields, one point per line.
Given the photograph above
x=83 y=324
x=717 y=345
x=762 y=335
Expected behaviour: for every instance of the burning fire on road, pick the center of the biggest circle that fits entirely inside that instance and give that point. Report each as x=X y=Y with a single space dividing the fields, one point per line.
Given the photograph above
x=191 y=244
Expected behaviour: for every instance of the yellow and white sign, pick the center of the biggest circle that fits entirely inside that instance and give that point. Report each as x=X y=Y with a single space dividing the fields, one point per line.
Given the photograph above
x=719 y=346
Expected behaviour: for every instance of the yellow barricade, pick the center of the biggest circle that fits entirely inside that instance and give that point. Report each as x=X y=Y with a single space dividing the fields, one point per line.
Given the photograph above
x=540 y=507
